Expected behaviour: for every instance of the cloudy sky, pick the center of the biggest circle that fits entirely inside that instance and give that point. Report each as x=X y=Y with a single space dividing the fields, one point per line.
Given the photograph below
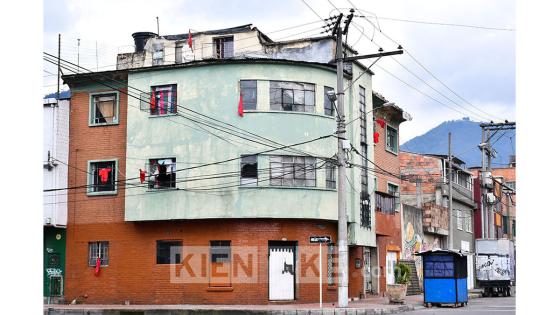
x=476 y=64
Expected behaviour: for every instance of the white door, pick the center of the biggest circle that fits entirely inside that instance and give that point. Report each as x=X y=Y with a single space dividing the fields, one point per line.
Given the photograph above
x=390 y=263
x=281 y=272
x=465 y=246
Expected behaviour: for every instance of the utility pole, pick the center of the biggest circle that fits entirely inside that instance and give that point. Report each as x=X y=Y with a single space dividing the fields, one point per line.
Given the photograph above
x=487 y=153
x=342 y=219
x=58 y=73
x=450 y=193
x=344 y=146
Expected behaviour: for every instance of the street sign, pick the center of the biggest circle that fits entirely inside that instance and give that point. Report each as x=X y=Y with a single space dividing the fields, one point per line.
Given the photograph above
x=320 y=239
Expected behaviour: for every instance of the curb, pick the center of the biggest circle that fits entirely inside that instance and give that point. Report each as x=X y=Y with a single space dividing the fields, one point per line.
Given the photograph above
x=336 y=311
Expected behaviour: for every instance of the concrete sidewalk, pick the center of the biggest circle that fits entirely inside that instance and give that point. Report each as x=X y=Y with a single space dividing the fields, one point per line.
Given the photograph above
x=373 y=305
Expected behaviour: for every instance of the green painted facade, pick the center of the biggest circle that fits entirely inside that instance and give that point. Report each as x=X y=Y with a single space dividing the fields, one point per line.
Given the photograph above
x=213 y=90
x=54 y=254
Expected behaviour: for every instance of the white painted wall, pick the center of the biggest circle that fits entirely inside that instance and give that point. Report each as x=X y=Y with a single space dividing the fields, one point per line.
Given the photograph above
x=55 y=140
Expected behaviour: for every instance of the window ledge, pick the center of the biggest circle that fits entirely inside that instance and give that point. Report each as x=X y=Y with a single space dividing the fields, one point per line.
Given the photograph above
x=164 y=115
x=102 y=125
x=219 y=289
x=101 y=193
x=287 y=112
x=287 y=187
x=392 y=152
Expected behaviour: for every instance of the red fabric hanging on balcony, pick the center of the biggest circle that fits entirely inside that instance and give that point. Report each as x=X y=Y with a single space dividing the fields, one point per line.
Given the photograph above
x=142 y=176
x=104 y=174
x=381 y=122
x=376 y=137
x=97 y=266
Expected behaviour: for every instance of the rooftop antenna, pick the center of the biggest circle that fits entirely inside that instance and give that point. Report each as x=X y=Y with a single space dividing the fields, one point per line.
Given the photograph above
x=78 y=55
x=157 y=21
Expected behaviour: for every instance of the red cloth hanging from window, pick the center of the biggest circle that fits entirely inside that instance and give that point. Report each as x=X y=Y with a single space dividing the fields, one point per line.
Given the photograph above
x=381 y=122
x=153 y=102
x=190 y=41
x=376 y=137
x=97 y=267
x=104 y=174
x=240 y=106
x=142 y=176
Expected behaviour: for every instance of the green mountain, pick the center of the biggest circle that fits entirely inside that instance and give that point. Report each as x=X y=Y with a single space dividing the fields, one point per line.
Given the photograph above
x=465 y=137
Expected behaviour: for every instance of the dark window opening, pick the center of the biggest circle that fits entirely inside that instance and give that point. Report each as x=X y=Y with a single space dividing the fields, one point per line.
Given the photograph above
x=162 y=173
x=249 y=170
x=169 y=252
x=103 y=176
x=223 y=47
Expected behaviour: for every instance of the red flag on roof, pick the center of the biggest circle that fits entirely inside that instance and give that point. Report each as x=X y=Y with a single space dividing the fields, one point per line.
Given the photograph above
x=240 y=106
x=190 y=41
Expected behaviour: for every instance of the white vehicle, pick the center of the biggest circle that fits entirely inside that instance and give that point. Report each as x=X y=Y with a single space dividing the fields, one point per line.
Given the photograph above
x=495 y=266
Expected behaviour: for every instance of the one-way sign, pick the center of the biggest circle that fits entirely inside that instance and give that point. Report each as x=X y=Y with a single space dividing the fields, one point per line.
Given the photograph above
x=320 y=239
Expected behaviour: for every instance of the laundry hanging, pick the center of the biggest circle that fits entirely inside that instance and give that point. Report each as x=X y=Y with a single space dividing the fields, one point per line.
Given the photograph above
x=240 y=106
x=142 y=176
x=190 y=41
x=97 y=267
x=153 y=102
x=104 y=174
x=376 y=137
x=381 y=122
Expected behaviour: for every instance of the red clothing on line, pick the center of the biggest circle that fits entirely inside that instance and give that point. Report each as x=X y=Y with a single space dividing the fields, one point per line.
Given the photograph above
x=104 y=174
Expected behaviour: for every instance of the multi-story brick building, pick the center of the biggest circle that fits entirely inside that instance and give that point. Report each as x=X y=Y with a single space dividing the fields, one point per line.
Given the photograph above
x=184 y=190
x=426 y=187
x=387 y=183
x=502 y=203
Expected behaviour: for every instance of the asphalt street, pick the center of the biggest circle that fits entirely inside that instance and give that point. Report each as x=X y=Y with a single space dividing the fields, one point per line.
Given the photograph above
x=490 y=305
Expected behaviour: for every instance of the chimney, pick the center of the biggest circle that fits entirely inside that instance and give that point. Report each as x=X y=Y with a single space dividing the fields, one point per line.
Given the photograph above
x=140 y=39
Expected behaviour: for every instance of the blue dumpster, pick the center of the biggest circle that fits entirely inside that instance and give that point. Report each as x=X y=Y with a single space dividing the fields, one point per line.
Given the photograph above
x=445 y=277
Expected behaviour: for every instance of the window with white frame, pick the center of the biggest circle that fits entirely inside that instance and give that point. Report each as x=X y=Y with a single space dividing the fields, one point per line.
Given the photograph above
x=468 y=221
x=249 y=170
x=459 y=215
x=104 y=109
x=292 y=96
x=392 y=141
x=99 y=249
x=293 y=171
x=163 y=100
x=102 y=177
x=162 y=173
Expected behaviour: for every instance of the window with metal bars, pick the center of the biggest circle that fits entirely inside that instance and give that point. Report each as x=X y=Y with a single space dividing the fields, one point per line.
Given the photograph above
x=292 y=96
x=223 y=47
x=294 y=171
x=330 y=264
x=99 y=250
x=365 y=203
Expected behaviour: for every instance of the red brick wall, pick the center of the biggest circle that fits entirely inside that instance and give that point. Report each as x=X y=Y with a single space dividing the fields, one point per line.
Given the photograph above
x=387 y=227
x=429 y=169
x=355 y=275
